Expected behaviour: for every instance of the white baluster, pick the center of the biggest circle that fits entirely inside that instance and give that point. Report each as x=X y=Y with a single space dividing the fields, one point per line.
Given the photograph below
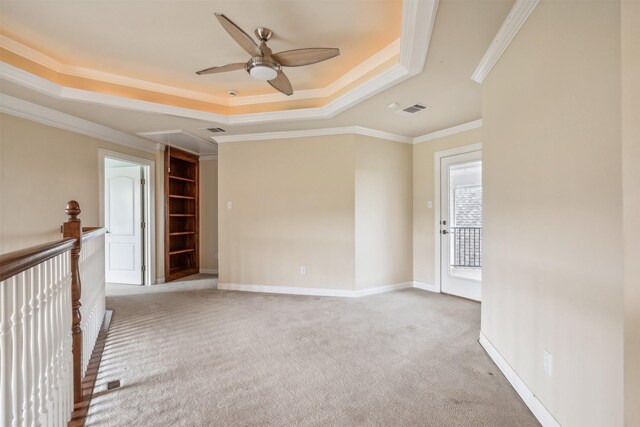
x=50 y=343
x=6 y=351
x=27 y=369
x=42 y=342
x=59 y=341
x=17 y=331
x=35 y=343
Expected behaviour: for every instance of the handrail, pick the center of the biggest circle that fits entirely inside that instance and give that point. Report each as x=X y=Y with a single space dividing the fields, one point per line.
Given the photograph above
x=16 y=262
x=89 y=233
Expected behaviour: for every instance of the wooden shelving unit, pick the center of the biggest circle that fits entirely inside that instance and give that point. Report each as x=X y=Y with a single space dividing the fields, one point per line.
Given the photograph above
x=181 y=240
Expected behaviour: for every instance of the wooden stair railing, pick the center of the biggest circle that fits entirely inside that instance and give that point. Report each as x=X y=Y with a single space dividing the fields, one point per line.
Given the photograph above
x=72 y=227
x=41 y=345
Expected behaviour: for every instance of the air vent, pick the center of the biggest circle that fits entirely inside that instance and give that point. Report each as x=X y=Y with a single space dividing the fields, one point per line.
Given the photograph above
x=412 y=109
x=216 y=130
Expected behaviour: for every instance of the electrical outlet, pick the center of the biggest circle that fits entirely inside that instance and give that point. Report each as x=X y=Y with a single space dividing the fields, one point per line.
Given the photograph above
x=303 y=269
x=548 y=363
x=229 y=205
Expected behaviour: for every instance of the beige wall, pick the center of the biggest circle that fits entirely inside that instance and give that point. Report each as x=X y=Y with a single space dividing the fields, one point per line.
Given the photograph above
x=423 y=192
x=339 y=205
x=209 y=214
x=293 y=205
x=383 y=201
x=552 y=274
x=631 y=189
x=41 y=168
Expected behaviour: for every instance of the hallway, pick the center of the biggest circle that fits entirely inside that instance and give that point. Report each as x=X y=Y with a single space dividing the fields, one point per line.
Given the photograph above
x=189 y=355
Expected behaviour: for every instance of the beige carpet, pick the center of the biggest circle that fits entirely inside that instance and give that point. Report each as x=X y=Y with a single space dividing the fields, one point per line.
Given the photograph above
x=190 y=355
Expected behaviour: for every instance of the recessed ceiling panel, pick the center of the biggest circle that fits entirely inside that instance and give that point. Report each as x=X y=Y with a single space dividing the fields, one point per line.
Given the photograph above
x=167 y=41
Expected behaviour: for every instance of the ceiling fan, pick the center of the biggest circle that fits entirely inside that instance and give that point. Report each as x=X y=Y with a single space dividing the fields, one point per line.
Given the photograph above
x=264 y=64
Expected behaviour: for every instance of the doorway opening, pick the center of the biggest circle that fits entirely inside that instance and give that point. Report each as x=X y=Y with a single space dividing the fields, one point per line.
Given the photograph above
x=459 y=222
x=126 y=207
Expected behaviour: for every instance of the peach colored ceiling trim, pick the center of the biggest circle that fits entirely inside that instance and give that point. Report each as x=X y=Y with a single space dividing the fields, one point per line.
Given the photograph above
x=39 y=58
x=418 y=18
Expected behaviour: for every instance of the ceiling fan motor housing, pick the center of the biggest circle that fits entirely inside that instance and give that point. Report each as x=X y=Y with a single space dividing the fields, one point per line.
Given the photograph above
x=263 y=34
x=262 y=68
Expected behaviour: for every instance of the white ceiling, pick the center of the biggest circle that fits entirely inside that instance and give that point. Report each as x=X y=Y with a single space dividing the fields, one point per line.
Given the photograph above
x=462 y=33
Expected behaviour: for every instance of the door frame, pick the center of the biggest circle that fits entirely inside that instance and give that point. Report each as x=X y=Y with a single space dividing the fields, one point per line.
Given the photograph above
x=437 y=157
x=149 y=205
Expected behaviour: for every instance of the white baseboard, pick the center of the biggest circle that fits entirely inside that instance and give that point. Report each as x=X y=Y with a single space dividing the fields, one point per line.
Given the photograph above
x=295 y=290
x=159 y=280
x=537 y=408
x=208 y=271
x=426 y=286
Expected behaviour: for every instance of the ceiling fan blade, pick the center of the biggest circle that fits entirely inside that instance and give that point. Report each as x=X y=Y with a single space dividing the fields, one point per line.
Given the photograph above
x=243 y=39
x=282 y=84
x=223 y=68
x=300 y=57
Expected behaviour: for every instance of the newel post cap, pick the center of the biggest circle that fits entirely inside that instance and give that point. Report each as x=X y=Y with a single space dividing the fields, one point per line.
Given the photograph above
x=73 y=210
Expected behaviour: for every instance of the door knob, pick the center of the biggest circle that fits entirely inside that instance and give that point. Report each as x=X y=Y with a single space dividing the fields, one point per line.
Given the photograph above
x=444 y=232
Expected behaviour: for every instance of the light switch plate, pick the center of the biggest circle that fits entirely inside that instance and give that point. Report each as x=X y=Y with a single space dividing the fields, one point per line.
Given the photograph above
x=229 y=205
x=430 y=204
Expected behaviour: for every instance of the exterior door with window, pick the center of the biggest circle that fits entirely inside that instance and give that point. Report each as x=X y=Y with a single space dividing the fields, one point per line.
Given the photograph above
x=461 y=225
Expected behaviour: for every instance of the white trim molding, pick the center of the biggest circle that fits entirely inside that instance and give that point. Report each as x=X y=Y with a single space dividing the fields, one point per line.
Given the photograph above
x=514 y=21
x=541 y=413
x=325 y=292
x=149 y=216
x=447 y=132
x=426 y=287
x=358 y=130
x=47 y=116
x=418 y=18
x=208 y=271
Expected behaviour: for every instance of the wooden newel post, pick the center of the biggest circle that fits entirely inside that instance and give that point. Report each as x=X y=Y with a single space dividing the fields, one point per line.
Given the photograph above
x=72 y=227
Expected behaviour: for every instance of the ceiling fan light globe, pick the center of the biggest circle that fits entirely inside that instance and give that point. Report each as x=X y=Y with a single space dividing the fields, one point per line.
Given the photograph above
x=263 y=72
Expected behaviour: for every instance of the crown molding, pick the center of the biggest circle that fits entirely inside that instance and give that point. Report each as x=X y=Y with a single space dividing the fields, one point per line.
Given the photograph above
x=347 y=130
x=418 y=21
x=47 y=116
x=514 y=21
x=20 y=108
x=449 y=131
x=87 y=73
x=370 y=64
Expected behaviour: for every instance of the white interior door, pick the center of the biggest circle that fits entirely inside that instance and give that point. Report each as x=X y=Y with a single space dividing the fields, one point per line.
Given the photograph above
x=123 y=219
x=461 y=225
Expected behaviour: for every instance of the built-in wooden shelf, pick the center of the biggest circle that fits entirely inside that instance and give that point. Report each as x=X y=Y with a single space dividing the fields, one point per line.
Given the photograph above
x=181 y=178
x=181 y=214
x=181 y=251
